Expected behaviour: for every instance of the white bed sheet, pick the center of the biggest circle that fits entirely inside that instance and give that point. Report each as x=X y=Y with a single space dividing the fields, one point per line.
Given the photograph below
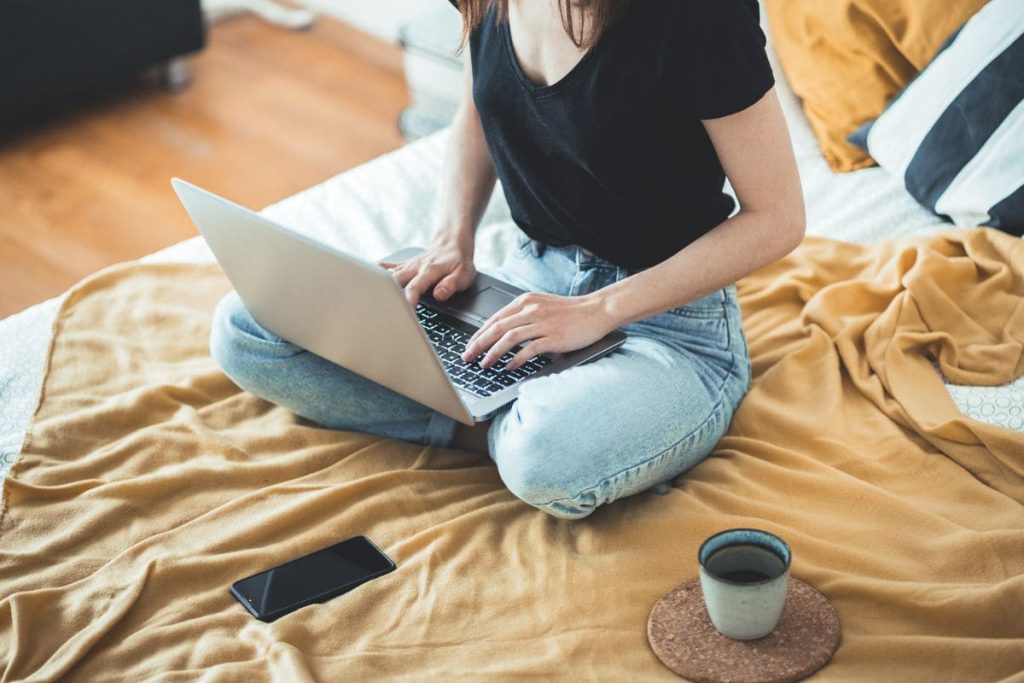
x=390 y=202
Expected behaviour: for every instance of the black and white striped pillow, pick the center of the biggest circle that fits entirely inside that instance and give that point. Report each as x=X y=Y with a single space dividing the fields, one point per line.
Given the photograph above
x=955 y=134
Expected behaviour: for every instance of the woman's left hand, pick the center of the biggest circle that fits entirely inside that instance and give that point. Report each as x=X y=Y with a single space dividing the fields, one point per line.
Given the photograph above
x=542 y=323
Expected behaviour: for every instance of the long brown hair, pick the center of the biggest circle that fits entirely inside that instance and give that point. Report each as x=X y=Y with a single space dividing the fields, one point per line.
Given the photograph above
x=576 y=14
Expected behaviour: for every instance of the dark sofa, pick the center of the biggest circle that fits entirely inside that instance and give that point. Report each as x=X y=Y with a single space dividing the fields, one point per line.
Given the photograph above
x=55 y=51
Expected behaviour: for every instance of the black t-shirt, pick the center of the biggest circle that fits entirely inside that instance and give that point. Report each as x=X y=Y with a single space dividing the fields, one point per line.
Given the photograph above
x=613 y=157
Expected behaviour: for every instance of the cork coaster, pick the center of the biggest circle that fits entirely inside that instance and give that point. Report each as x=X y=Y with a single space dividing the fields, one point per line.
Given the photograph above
x=682 y=636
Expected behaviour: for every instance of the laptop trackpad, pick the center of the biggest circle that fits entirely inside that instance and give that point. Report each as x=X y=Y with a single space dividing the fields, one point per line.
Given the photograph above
x=480 y=302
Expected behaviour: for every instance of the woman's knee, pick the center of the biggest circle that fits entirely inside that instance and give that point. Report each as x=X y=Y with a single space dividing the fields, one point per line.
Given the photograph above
x=531 y=462
x=239 y=345
x=568 y=467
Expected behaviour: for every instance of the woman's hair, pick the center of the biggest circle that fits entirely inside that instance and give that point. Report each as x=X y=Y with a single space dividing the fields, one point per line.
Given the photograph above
x=576 y=15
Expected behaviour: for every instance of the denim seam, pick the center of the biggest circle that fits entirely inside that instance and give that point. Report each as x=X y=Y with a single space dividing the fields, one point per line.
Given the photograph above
x=700 y=313
x=691 y=436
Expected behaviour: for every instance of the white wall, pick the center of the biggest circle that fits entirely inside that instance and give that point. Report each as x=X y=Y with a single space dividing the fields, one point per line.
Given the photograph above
x=382 y=18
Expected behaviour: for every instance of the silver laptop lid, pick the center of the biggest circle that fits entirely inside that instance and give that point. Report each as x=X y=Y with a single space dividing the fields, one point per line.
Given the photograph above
x=347 y=311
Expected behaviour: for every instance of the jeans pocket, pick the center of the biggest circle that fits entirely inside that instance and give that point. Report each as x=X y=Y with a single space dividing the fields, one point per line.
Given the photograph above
x=703 y=329
x=711 y=306
x=703 y=322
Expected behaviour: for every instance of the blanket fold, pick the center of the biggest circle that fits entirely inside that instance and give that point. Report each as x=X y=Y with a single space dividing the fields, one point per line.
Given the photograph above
x=148 y=483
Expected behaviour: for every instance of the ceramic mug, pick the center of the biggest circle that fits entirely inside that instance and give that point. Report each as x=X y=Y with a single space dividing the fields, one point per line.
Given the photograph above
x=744 y=575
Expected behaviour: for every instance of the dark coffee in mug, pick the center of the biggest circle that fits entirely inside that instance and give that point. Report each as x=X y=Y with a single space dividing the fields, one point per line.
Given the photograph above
x=745 y=563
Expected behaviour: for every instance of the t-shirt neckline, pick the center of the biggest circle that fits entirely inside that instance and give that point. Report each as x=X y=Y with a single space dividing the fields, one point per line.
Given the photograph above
x=551 y=88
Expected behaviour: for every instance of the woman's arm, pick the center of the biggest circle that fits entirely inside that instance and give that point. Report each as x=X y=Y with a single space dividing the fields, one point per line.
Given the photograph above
x=757 y=156
x=467 y=181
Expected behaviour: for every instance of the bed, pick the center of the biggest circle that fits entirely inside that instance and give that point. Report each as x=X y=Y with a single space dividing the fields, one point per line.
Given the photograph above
x=380 y=206
x=374 y=209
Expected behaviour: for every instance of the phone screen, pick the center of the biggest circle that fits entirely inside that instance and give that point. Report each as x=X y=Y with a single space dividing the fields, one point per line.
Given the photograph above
x=312 y=578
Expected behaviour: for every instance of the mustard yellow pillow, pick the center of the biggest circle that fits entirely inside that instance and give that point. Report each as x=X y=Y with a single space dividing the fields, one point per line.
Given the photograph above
x=847 y=58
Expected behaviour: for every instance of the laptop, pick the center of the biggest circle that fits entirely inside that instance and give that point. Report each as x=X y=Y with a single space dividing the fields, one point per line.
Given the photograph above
x=356 y=315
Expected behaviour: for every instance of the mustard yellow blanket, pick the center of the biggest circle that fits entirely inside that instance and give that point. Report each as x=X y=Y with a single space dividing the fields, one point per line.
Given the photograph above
x=149 y=483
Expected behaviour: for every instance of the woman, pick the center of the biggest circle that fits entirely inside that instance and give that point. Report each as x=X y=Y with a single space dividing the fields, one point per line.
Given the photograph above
x=612 y=125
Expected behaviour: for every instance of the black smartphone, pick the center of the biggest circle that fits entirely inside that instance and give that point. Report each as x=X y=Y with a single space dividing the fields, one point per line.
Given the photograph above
x=316 y=577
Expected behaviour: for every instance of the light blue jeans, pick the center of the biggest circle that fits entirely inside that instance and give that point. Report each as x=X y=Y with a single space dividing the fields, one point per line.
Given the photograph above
x=625 y=423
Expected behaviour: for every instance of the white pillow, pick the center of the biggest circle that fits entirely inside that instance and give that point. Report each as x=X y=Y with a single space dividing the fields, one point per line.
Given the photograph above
x=955 y=134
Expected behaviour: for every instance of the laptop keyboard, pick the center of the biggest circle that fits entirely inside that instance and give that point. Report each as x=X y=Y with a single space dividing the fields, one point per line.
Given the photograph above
x=450 y=341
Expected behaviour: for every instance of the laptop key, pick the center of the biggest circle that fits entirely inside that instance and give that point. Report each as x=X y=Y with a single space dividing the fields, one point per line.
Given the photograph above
x=449 y=342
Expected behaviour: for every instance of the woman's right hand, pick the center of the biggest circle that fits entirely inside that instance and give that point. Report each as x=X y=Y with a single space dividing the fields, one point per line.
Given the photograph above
x=446 y=266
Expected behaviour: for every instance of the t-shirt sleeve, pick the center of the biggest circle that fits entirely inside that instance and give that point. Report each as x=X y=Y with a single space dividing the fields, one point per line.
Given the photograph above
x=725 y=65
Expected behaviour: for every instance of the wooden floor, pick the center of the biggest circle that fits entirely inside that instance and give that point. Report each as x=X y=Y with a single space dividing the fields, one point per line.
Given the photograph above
x=269 y=112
